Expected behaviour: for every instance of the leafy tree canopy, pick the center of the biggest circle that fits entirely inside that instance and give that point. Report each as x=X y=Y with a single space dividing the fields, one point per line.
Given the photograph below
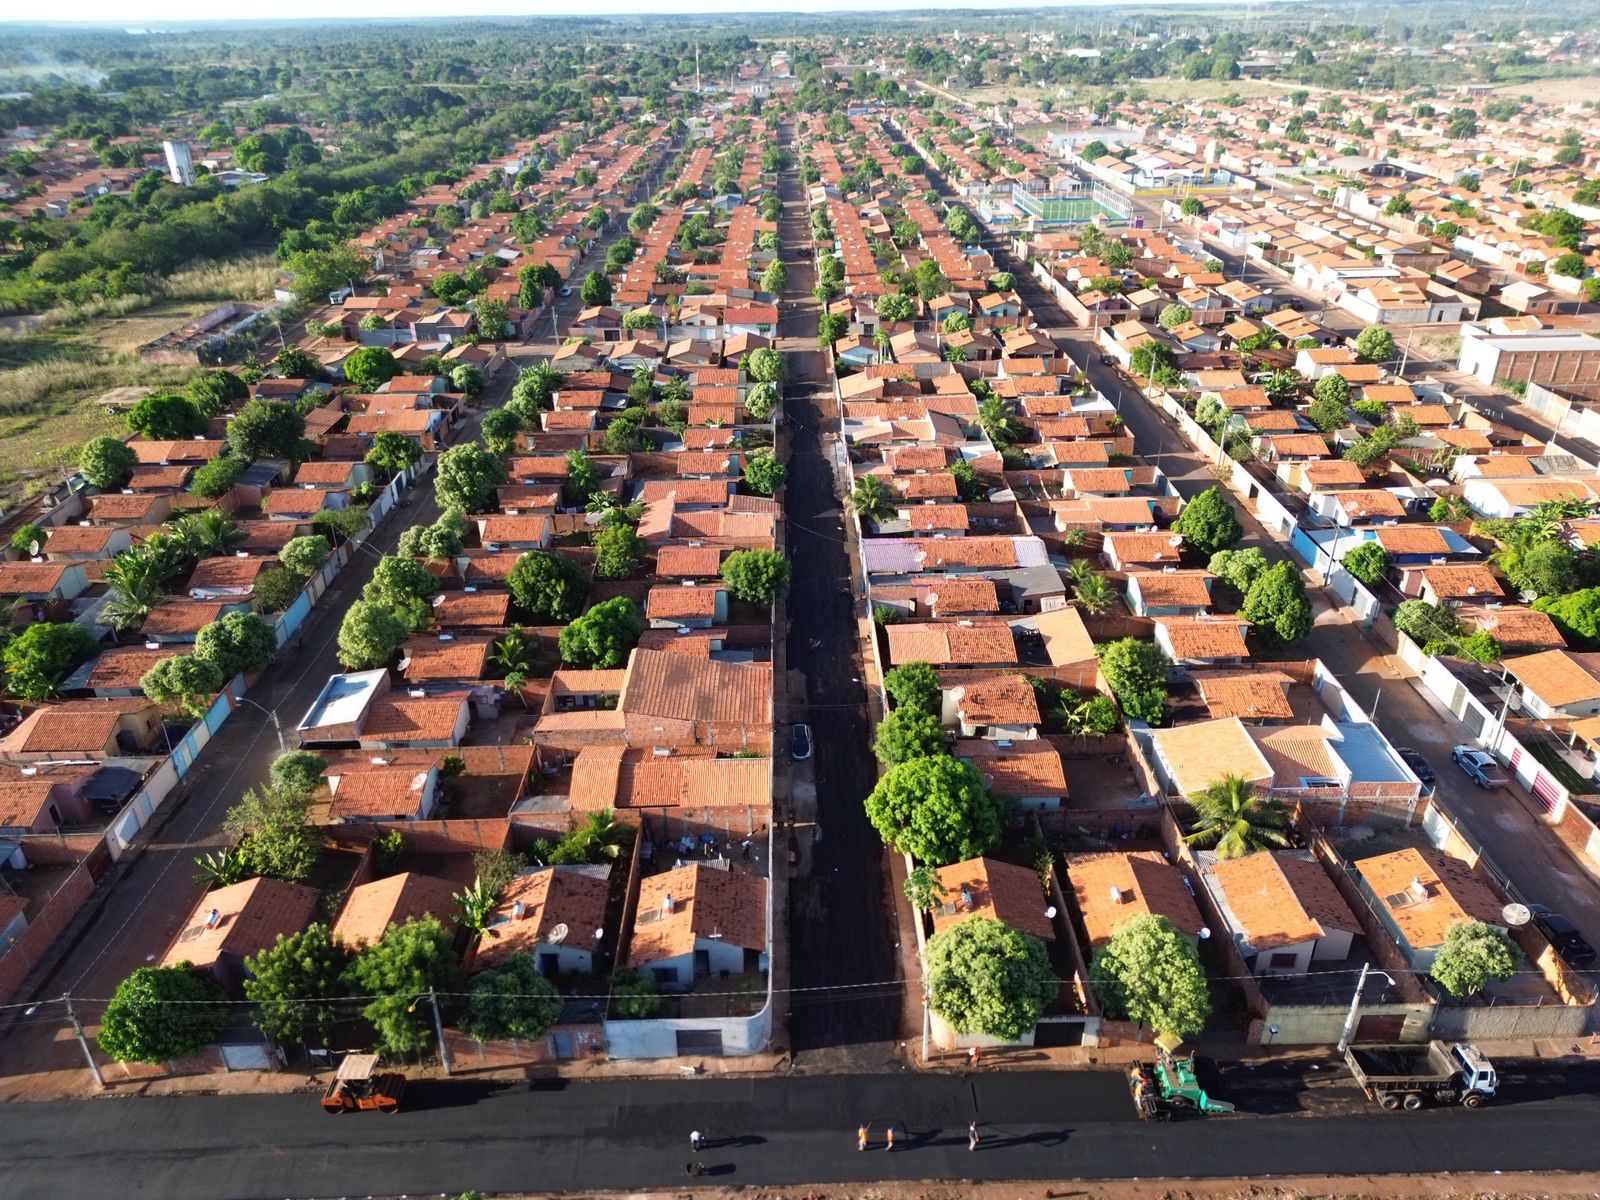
x=987 y=978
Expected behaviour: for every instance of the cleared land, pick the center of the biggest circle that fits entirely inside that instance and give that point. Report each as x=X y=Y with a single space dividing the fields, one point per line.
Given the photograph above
x=54 y=366
x=1560 y=90
x=1155 y=89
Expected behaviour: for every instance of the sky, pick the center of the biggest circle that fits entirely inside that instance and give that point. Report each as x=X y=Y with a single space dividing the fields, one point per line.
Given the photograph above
x=138 y=13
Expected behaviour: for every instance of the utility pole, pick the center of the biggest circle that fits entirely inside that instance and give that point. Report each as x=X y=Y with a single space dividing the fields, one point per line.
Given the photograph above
x=444 y=1051
x=1355 y=1005
x=77 y=1032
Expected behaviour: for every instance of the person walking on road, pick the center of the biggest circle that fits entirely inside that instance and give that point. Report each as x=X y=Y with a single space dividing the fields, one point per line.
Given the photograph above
x=972 y=1135
x=890 y=1146
x=697 y=1141
x=861 y=1136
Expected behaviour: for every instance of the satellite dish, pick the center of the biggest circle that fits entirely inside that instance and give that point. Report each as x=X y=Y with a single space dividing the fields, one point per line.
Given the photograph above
x=1050 y=912
x=405 y=664
x=558 y=934
x=1205 y=932
x=1516 y=915
x=33 y=547
x=438 y=600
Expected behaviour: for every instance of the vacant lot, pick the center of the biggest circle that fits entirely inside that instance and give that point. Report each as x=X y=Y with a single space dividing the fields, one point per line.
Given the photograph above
x=1579 y=88
x=1155 y=89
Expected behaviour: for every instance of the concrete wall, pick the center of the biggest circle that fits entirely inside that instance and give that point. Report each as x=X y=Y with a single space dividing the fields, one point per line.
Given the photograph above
x=48 y=923
x=657 y=1037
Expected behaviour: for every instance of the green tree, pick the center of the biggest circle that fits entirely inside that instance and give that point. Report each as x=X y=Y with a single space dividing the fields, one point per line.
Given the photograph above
x=40 y=658
x=392 y=453
x=466 y=477
x=166 y=417
x=369 y=367
x=1093 y=150
x=547 y=586
x=275 y=590
x=1277 y=605
x=297 y=985
x=279 y=839
x=303 y=556
x=235 y=642
x=596 y=289
x=298 y=772
x=756 y=576
x=491 y=316
x=319 y=272
x=619 y=552
x=511 y=1000
x=190 y=681
x=500 y=427
x=398 y=970
x=986 y=978
x=1368 y=562
x=369 y=636
x=468 y=379
x=766 y=366
x=1208 y=524
x=29 y=539
x=1191 y=206
x=1137 y=674
x=924 y=890
x=403 y=586
x=161 y=1013
x=105 y=462
x=914 y=685
x=294 y=363
x=601 y=638
x=266 y=429
x=935 y=809
x=1234 y=821
x=1474 y=954
x=1150 y=973
x=1174 y=315
x=633 y=996
x=215 y=478
x=1332 y=386
x=1150 y=359
x=1088 y=715
x=908 y=733
x=894 y=308
x=1576 y=615
x=763 y=473
x=1375 y=344
x=1239 y=568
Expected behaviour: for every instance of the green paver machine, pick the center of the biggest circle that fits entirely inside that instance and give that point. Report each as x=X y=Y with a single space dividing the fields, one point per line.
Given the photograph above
x=1170 y=1083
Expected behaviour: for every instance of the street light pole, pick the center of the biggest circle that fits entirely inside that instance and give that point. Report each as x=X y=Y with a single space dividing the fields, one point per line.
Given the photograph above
x=1349 y=1029
x=438 y=1028
x=77 y=1032
x=277 y=725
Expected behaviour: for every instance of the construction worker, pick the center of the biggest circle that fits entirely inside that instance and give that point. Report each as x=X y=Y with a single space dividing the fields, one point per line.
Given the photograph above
x=972 y=1135
x=861 y=1136
x=890 y=1146
x=696 y=1141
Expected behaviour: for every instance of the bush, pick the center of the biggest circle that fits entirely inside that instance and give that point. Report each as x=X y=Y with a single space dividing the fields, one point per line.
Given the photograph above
x=215 y=478
x=105 y=462
x=1137 y=673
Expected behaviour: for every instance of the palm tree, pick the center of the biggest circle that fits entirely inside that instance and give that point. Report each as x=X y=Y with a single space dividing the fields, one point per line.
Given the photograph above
x=880 y=343
x=871 y=500
x=1094 y=594
x=955 y=354
x=996 y=419
x=514 y=652
x=1233 y=819
x=137 y=581
x=206 y=534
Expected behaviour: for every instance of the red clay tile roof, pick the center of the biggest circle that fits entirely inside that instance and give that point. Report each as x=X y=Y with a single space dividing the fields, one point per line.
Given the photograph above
x=705 y=903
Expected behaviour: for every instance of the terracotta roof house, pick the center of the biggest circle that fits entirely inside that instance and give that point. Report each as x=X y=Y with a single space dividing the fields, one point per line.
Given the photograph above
x=999 y=891
x=556 y=914
x=1557 y=683
x=1190 y=758
x=952 y=643
x=1029 y=772
x=1282 y=909
x=1112 y=887
x=1420 y=893
x=1169 y=593
x=375 y=790
x=95 y=729
x=1202 y=641
x=677 y=700
x=233 y=923
x=372 y=907
x=698 y=921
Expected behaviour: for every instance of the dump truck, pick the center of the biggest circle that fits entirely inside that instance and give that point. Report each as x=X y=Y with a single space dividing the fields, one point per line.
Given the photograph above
x=1410 y=1075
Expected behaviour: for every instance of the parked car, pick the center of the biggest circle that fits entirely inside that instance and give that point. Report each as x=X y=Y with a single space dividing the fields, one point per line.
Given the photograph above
x=800 y=741
x=1419 y=765
x=1563 y=935
x=1480 y=766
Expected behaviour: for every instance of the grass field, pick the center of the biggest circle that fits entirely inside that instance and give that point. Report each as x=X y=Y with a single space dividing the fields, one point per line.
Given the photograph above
x=1155 y=89
x=53 y=366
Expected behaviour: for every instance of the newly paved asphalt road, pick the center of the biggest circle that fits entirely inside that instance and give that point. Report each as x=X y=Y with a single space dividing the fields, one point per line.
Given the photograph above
x=634 y=1134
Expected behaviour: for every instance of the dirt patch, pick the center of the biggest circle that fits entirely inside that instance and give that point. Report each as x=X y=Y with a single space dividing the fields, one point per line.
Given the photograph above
x=1357 y=1187
x=1579 y=89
